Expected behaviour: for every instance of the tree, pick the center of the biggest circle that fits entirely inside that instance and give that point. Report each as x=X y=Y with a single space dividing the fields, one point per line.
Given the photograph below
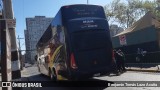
x=125 y=14
x=114 y=12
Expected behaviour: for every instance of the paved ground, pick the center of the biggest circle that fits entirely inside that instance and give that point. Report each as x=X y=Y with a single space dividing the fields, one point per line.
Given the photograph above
x=0 y=80
x=32 y=74
x=149 y=68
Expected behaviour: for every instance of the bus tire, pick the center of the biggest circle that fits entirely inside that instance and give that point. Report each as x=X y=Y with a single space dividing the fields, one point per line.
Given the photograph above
x=39 y=70
x=52 y=75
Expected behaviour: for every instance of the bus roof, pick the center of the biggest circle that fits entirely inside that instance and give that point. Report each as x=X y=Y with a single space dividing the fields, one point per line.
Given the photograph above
x=69 y=12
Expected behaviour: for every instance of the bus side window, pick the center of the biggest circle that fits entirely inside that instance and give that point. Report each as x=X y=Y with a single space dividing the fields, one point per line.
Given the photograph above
x=60 y=34
x=47 y=59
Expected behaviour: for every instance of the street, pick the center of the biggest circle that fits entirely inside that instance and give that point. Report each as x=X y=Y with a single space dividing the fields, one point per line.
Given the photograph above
x=31 y=74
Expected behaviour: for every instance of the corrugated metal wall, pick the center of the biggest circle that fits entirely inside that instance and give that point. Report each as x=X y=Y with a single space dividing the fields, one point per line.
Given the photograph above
x=158 y=36
x=147 y=39
x=140 y=36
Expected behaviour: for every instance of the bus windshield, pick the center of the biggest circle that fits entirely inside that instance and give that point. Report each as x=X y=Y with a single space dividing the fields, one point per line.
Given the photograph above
x=82 y=11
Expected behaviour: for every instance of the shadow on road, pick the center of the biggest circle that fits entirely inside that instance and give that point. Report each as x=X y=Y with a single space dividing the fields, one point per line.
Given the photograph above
x=47 y=84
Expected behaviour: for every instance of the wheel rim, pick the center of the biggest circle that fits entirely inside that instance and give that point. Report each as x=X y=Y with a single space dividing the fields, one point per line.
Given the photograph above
x=52 y=76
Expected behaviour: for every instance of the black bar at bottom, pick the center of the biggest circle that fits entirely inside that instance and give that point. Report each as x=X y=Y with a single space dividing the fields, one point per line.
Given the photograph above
x=96 y=83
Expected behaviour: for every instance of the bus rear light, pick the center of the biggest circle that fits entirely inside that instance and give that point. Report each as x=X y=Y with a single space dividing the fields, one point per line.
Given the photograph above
x=73 y=63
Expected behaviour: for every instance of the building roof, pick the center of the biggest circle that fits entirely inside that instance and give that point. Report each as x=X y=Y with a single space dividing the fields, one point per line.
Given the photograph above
x=147 y=20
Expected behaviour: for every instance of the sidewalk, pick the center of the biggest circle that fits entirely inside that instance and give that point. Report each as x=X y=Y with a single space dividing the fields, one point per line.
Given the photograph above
x=155 y=68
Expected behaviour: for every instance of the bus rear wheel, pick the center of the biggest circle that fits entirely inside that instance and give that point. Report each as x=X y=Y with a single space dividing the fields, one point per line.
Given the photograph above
x=52 y=75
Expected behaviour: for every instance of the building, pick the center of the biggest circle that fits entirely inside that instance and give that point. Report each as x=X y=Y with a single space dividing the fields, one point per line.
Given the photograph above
x=35 y=27
x=114 y=29
x=143 y=34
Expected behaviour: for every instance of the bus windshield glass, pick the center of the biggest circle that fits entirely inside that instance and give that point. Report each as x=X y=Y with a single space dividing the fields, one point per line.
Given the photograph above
x=72 y=11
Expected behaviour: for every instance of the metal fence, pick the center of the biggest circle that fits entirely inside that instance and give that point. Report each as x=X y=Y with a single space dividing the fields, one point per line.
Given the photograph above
x=149 y=57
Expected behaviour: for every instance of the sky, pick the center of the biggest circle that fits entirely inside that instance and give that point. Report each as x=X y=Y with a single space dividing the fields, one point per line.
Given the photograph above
x=31 y=8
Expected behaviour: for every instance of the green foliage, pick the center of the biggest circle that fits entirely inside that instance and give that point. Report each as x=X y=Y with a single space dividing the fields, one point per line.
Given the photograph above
x=126 y=13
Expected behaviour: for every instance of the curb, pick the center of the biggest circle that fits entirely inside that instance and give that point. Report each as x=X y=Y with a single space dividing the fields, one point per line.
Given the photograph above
x=141 y=70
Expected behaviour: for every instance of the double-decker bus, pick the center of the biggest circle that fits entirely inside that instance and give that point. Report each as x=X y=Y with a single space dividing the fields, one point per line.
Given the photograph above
x=76 y=44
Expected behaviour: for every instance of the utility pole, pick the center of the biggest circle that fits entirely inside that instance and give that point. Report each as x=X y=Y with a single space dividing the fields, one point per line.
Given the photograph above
x=87 y=1
x=8 y=15
x=5 y=46
x=5 y=54
x=19 y=42
x=20 y=54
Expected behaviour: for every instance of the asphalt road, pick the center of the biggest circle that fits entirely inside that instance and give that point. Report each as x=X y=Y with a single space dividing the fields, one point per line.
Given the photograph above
x=97 y=81
x=32 y=74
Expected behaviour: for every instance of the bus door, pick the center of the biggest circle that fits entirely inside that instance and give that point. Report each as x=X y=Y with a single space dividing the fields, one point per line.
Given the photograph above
x=43 y=62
